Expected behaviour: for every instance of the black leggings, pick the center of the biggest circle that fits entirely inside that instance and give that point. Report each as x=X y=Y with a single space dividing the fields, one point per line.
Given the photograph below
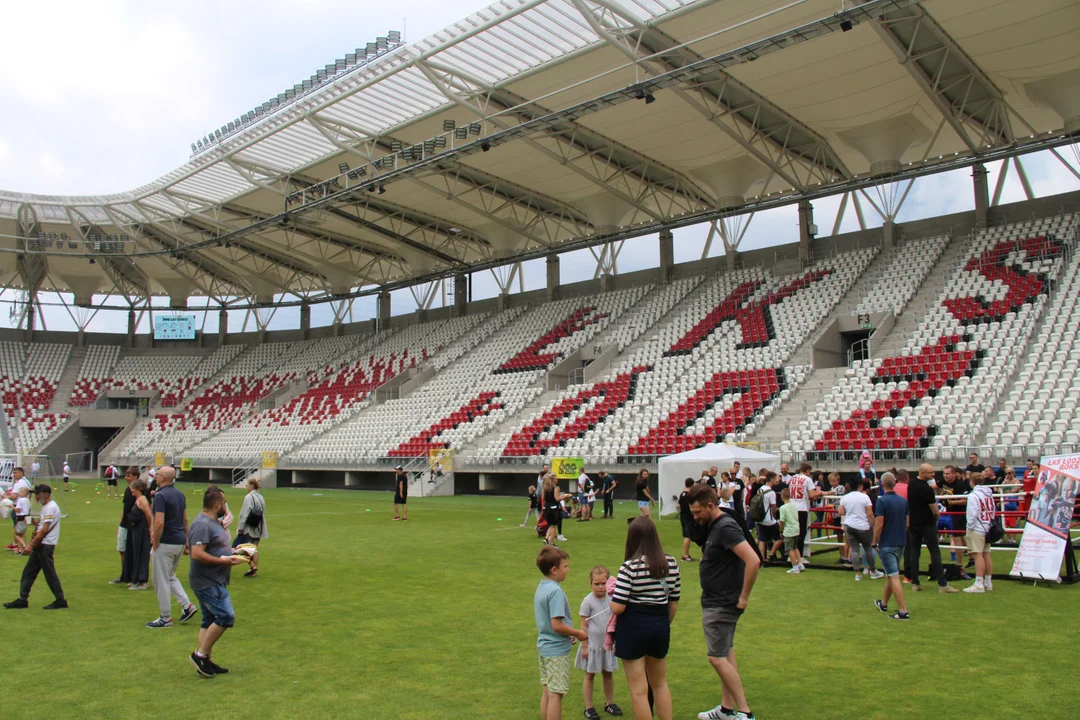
x=609 y=506
x=804 y=523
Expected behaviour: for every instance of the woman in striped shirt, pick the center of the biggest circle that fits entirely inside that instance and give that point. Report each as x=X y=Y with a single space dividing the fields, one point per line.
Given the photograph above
x=646 y=597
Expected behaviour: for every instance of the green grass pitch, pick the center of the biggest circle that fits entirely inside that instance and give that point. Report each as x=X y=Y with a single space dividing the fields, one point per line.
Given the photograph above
x=356 y=616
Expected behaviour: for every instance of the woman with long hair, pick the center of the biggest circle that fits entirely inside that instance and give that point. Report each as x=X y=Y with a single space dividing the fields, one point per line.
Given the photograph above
x=644 y=497
x=646 y=598
x=137 y=555
x=551 y=497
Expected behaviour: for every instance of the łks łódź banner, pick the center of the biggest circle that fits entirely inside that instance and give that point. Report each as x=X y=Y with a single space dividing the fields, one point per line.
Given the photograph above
x=1046 y=533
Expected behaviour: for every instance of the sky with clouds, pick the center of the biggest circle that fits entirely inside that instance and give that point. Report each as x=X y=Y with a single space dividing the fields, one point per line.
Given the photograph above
x=106 y=96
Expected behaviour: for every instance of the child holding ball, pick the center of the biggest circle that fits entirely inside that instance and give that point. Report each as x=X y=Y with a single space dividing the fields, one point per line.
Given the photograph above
x=592 y=657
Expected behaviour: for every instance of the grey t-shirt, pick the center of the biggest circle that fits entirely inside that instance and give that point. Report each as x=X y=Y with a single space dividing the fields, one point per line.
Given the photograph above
x=215 y=540
x=172 y=503
x=597 y=610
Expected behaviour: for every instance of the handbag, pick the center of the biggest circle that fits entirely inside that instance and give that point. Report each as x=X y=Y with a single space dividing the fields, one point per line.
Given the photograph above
x=996 y=532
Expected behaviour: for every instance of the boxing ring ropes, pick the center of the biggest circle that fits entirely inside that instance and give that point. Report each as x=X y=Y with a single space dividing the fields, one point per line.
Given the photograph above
x=1010 y=520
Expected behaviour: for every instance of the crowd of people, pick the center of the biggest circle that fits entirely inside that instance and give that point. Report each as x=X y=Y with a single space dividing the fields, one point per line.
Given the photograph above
x=153 y=533
x=742 y=521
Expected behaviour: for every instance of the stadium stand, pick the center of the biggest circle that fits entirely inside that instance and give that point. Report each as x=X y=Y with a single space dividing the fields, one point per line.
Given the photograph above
x=29 y=374
x=95 y=373
x=483 y=389
x=935 y=395
x=710 y=371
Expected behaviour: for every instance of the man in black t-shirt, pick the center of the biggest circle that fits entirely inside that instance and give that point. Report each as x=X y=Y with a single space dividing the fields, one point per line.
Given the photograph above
x=1000 y=471
x=686 y=519
x=401 y=493
x=728 y=571
x=130 y=476
x=607 y=491
x=923 y=514
x=974 y=465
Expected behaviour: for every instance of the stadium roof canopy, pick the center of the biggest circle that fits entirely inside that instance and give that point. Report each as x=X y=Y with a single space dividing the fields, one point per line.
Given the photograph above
x=536 y=126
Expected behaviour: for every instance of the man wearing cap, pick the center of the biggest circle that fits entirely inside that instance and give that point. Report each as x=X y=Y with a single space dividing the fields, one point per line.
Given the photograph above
x=41 y=549
x=401 y=493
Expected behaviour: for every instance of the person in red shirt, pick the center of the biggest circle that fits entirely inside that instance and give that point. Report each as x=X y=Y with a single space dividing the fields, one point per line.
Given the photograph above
x=901 y=483
x=1031 y=476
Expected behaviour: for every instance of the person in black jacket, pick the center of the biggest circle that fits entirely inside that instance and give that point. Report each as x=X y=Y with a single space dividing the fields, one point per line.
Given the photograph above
x=130 y=476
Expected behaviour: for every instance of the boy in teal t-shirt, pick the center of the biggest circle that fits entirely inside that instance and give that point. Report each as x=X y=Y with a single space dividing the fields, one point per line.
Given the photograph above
x=789 y=528
x=551 y=608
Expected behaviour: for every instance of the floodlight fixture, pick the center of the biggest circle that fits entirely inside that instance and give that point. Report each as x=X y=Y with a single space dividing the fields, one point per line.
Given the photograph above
x=474 y=128
x=448 y=125
x=461 y=133
x=343 y=168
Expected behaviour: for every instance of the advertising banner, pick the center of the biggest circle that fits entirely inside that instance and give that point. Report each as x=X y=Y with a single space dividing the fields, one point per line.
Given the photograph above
x=567 y=468
x=443 y=457
x=1046 y=532
x=160 y=459
x=186 y=464
x=270 y=460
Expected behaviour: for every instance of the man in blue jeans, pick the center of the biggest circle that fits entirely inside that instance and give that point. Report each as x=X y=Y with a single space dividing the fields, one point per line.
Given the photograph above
x=211 y=565
x=890 y=534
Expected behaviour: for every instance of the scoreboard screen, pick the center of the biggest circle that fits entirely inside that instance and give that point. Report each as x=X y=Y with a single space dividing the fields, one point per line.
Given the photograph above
x=174 y=327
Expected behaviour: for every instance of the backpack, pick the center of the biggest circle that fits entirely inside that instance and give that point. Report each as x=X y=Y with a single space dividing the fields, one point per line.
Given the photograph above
x=757 y=506
x=255 y=516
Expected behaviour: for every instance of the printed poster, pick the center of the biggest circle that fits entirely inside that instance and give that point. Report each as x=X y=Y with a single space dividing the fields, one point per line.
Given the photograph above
x=567 y=468
x=1046 y=532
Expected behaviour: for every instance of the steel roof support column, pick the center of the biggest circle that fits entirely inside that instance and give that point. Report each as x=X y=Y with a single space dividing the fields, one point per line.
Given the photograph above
x=553 y=277
x=807 y=230
x=305 y=319
x=982 y=194
x=131 y=326
x=667 y=256
x=383 y=311
x=223 y=325
x=461 y=294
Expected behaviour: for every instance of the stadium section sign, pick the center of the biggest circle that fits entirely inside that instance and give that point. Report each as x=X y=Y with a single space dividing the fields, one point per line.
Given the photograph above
x=1046 y=532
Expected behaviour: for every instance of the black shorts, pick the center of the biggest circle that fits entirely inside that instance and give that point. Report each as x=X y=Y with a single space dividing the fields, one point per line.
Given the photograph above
x=643 y=630
x=687 y=527
x=553 y=516
x=768 y=533
x=111 y=483
x=401 y=499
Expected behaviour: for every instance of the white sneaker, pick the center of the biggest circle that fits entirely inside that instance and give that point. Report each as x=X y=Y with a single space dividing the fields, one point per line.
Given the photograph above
x=877 y=575
x=988 y=588
x=974 y=589
x=794 y=571
x=802 y=566
x=858 y=577
x=714 y=714
x=561 y=538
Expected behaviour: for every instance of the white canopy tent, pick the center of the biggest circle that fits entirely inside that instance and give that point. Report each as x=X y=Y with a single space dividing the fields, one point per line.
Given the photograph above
x=674 y=469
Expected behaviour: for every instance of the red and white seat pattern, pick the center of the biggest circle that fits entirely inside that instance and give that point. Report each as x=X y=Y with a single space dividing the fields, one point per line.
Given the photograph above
x=485 y=387
x=1039 y=415
x=95 y=374
x=335 y=390
x=932 y=399
x=706 y=375
x=29 y=374
x=174 y=376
